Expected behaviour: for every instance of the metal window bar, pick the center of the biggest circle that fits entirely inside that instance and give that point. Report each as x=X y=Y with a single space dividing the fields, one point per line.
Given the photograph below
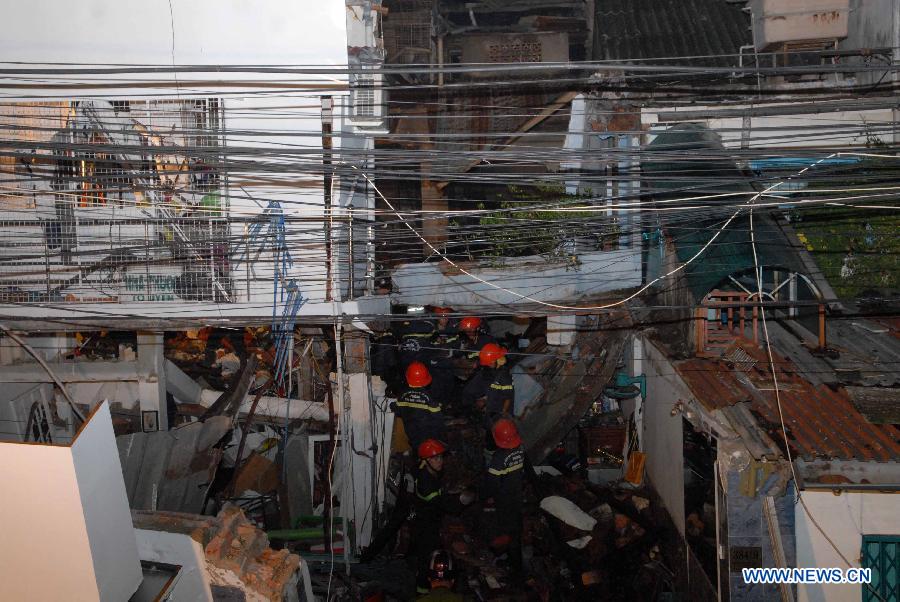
x=881 y=553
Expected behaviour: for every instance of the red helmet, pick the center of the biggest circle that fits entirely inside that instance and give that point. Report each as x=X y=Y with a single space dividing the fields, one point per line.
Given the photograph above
x=470 y=323
x=441 y=566
x=441 y=311
x=490 y=353
x=430 y=448
x=506 y=436
x=417 y=375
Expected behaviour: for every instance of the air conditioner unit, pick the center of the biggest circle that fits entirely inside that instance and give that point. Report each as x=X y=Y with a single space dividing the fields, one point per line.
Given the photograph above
x=777 y=22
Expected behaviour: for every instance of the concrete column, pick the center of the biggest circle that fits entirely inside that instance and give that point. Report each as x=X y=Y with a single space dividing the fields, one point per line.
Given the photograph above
x=356 y=343
x=360 y=459
x=152 y=375
x=434 y=229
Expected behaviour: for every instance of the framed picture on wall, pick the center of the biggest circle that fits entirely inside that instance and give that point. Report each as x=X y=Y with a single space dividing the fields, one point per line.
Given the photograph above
x=149 y=421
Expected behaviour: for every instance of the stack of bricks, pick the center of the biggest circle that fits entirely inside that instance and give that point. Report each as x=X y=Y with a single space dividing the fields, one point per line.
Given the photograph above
x=233 y=544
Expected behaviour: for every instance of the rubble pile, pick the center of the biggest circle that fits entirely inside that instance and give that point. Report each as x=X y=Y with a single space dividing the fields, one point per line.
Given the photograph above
x=237 y=553
x=581 y=540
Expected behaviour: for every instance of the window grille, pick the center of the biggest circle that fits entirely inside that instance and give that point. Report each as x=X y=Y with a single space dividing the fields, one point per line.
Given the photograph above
x=881 y=553
x=116 y=204
x=364 y=97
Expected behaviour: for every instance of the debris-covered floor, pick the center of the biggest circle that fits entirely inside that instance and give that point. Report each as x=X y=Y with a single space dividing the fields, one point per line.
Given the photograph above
x=587 y=532
x=581 y=541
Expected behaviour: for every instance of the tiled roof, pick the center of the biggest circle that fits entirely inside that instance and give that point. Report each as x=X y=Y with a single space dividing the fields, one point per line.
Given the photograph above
x=821 y=421
x=647 y=29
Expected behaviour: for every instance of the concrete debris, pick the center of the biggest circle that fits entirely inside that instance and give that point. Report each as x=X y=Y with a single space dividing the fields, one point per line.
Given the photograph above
x=227 y=363
x=237 y=552
x=603 y=513
x=626 y=530
x=568 y=512
x=641 y=503
x=212 y=432
x=580 y=543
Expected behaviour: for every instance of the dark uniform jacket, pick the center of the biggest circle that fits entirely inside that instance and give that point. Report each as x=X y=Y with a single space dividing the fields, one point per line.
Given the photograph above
x=445 y=343
x=495 y=385
x=384 y=356
x=430 y=505
x=444 y=346
x=503 y=481
x=471 y=349
x=422 y=415
x=415 y=340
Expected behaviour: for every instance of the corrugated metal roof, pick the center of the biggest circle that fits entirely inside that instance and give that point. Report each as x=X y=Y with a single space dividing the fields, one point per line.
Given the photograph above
x=868 y=354
x=172 y=470
x=821 y=422
x=647 y=29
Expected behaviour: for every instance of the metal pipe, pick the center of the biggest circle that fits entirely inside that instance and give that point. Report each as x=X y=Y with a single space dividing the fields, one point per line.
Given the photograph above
x=822 y=339
x=327 y=123
x=350 y=288
x=346 y=436
x=440 y=61
x=326 y=506
x=887 y=487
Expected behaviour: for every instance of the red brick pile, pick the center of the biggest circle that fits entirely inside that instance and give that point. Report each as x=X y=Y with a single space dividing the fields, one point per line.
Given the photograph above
x=233 y=544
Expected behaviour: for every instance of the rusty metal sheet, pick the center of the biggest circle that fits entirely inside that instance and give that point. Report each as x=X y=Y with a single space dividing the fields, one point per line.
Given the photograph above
x=713 y=383
x=822 y=421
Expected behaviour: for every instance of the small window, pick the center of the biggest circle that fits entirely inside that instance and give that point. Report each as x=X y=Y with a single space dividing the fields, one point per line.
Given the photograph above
x=881 y=553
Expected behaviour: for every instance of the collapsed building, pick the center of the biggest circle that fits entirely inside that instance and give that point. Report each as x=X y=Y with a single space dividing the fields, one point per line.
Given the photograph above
x=155 y=265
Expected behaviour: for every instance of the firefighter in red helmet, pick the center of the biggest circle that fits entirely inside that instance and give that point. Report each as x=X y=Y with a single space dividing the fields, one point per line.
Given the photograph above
x=442 y=352
x=430 y=506
x=491 y=388
x=503 y=482
x=473 y=337
x=421 y=412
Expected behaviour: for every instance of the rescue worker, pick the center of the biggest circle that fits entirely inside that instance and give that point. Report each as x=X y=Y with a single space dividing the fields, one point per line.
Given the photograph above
x=442 y=350
x=430 y=505
x=474 y=337
x=444 y=323
x=441 y=578
x=384 y=358
x=415 y=336
x=491 y=388
x=503 y=482
x=421 y=412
